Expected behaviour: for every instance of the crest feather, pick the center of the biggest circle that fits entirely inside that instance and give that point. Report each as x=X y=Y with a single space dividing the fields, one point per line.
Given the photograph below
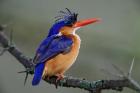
x=67 y=16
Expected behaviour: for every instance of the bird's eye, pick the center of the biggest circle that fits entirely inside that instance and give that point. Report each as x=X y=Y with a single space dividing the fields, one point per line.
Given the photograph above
x=70 y=22
x=70 y=25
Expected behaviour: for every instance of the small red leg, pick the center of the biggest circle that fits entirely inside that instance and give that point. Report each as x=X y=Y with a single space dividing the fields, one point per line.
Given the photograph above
x=59 y=77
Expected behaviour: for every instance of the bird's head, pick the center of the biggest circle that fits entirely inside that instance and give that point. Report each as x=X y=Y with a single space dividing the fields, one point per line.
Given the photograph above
x=67 y=23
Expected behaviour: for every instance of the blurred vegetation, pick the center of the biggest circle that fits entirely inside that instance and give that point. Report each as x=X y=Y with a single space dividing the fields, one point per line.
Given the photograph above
x=114 y=40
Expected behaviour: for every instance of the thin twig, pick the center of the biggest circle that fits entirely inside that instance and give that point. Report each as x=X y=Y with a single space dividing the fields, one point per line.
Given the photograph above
x=131 y=67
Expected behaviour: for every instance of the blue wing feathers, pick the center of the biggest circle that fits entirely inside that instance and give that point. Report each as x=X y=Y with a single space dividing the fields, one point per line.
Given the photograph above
x=45 y=43
x=52 y=46
x=38 y=73
x=49 y=48
x=57 y=46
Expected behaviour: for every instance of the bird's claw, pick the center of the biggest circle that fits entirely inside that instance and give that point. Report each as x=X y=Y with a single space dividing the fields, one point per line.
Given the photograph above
x=59 y=77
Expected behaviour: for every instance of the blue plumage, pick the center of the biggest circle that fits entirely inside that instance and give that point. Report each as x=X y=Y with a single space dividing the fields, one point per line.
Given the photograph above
x=57 y=45
x=49 y=48
x=56 y=27
x=38 y=73
x=67 y=18
x=53 y=44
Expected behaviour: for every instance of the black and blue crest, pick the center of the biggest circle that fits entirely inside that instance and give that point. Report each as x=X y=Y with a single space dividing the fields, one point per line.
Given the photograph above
x=66 y=18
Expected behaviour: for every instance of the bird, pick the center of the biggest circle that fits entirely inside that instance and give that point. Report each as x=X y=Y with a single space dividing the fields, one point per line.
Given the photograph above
x=60 y=48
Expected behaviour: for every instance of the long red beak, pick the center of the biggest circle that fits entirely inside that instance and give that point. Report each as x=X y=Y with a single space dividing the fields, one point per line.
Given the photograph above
x=86 y=22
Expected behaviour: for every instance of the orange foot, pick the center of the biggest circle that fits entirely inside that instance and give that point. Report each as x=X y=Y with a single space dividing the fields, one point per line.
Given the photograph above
x=59 y=77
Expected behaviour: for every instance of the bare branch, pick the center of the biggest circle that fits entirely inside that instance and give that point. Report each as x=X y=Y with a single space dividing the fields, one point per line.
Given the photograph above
x=24 y=60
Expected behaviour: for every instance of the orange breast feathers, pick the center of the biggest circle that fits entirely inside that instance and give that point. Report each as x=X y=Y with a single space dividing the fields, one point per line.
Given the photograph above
x=62 y=62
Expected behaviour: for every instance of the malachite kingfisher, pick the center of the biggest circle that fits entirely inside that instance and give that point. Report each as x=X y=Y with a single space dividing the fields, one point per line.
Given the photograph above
x=59 y=50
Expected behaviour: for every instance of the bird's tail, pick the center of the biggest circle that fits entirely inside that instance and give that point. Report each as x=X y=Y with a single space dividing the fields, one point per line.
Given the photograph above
x=38 y=73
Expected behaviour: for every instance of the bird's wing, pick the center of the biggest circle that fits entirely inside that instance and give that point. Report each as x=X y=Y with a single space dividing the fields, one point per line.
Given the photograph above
x=43 y=47
x=53 y=46
x=49 y=48
x=57 y=46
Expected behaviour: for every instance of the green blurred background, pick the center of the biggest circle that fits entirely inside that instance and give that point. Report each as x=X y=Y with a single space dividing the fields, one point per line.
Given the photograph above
x=115 y=40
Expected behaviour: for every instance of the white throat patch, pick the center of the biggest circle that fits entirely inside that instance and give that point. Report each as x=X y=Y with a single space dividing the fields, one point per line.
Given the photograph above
x=75 y=30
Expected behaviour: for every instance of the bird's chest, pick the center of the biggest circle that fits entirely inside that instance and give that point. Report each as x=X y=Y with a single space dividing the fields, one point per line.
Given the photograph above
x=66 y=59
x=62 y=62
